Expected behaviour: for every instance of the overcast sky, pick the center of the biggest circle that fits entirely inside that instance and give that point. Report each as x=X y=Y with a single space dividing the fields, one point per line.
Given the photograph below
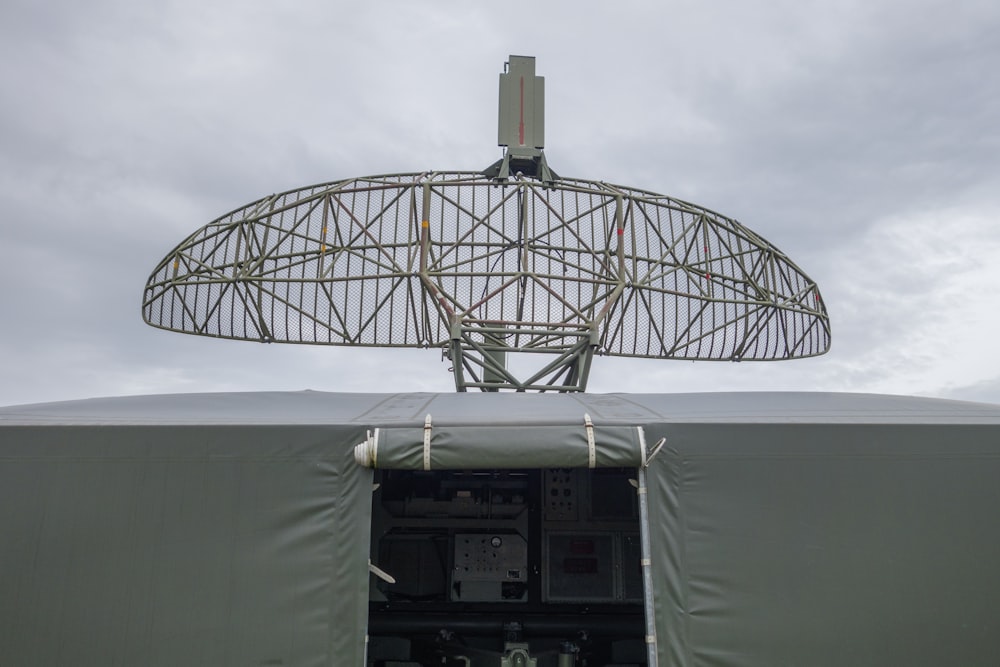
x=860 y=137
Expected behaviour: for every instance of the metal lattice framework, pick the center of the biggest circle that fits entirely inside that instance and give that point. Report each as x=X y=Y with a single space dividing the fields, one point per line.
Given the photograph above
x=489 y=269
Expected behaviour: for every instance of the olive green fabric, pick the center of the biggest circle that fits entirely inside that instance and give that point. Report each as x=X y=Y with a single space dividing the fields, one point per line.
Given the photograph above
x=182 y=545
x=796 y=529
x=805 y=544
x=514 y=446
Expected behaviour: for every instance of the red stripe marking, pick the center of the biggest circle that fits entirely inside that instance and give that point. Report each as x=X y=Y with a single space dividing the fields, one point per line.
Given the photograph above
x=520 y=129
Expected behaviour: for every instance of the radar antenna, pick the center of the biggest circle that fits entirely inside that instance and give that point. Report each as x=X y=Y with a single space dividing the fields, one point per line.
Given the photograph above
x=521 y=123
x=518 y=275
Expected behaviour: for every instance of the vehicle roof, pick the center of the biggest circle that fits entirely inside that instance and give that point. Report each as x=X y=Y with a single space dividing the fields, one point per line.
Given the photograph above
x=403 y=409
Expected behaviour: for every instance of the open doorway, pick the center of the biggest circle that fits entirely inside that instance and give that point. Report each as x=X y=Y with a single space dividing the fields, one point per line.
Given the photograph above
x=484 y=568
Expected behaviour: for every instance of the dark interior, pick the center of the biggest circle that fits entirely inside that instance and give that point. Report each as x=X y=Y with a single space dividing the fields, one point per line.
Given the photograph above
x=506 y=567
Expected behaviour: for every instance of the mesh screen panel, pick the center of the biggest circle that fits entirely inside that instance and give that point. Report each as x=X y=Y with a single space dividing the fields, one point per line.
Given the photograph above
x=351 y=263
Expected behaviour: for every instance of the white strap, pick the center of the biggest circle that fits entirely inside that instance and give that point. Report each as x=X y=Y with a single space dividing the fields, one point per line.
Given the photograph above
x=380 y=573
x=656 y=450
x=366 y=452
x=591 y=445
x=642 y=445
x=427 y=443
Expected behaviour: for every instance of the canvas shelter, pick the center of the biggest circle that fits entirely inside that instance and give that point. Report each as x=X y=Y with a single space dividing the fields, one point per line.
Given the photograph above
x=235 y=529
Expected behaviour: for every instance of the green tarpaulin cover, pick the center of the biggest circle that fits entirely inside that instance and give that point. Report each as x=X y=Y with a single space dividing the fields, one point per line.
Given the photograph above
x=233 y=529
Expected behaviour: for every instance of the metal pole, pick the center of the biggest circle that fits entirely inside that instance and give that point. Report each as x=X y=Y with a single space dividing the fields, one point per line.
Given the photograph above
x=494 y=361
x=646 y=562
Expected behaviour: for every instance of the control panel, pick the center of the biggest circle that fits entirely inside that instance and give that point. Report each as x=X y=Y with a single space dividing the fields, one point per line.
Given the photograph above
x=537 y=537
x=562 y=494
x=592 y=567
x=506 y=567
x=489 y=567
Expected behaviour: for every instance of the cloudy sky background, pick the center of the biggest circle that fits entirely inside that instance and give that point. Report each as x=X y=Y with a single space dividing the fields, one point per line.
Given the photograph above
x=862 y=138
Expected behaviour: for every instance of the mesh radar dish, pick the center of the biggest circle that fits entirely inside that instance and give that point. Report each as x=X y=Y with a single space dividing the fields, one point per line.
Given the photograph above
x=510 y=264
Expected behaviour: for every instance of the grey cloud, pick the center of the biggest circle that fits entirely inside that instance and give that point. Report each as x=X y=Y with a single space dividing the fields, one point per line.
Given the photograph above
x=130 y=126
